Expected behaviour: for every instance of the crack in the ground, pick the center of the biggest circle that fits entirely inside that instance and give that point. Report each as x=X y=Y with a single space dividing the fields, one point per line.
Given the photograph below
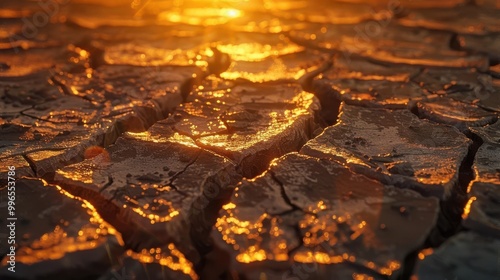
x=31 y=164
x=300 y=238
x=176 y=175
x=307 y=79
x=109 y=183
x=285 y=197
x=65 y=90
x=330 y=106
x=451 y=209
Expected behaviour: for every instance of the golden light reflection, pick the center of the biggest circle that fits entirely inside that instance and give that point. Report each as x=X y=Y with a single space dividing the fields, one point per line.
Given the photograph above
x=171 y=258
x=468 y=206
x=326 y=238
x=95 y=217
x=424 y=253
x=317 y=257
x=200 y=16
x=274 y=70
x=279 y=121
x=57 y=243
x=254 y=232
x=85 y=173
x=184 y=53
x=357 y=276
x=54 y=245
x=153 y=217
x=160 y=138
x=257 y=51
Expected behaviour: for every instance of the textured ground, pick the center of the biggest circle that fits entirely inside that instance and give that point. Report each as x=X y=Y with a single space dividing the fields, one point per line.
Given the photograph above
x=251 y=139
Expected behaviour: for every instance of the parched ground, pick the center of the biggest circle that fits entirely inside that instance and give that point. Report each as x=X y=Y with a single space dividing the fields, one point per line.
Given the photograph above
x=250 y=139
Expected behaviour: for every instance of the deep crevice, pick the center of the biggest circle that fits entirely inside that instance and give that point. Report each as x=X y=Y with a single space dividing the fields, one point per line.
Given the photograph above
x=31 y=163
x=112 y=214
x=330 y=105
x=109 y=183
x=451 y=209
x=300 y=238
x=408 y=266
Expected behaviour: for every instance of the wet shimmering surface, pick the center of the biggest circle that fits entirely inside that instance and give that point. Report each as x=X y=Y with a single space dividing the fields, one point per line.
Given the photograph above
x=251 y=139
x=340 y=217
x=64 y=228
x=394 y=147
x=246 y=122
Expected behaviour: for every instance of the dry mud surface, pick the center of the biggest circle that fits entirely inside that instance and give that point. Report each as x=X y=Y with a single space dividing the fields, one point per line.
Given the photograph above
x=205 y=139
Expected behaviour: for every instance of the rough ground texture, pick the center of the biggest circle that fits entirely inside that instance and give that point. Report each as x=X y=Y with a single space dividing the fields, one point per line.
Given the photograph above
x=205 y=139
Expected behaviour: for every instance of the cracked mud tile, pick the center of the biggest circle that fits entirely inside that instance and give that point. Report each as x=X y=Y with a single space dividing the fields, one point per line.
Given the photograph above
x=244 y=46
x=489 y=99
x=22 y=93
x=390 y=43
x=306 y=210
x=18 y=31
x=331 y=12
x=484 y=96
x=17 y=9
x=259 y=22
x=55 y=128
x=455 y=97
x=482 y=211
x=394 y=147
x=267 y=57
x=32 y=62
x=180 y=50
x=251 y=124
x=143 y=44
x=22 y=63
x=288 y=67
x=462 y=19
x=495 y=71
x=47 y=146
x=123 y=87
x=494 y=4
x=23 y=167
x=360 y=82
x=363 y=69
x=487 y=161
x=31 y=124
x=154 y=190
x=448 y=81
x=467 y=255
x=102 y=14
x=9 y=26
x=153 y=263
x=26 y=41
x=58 y=236
x=412 y=4
x=460 y=114
x=486 y=44
x=16 y=43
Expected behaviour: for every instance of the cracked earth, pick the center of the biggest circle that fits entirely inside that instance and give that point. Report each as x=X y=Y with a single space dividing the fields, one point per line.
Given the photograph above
x=204 y=139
